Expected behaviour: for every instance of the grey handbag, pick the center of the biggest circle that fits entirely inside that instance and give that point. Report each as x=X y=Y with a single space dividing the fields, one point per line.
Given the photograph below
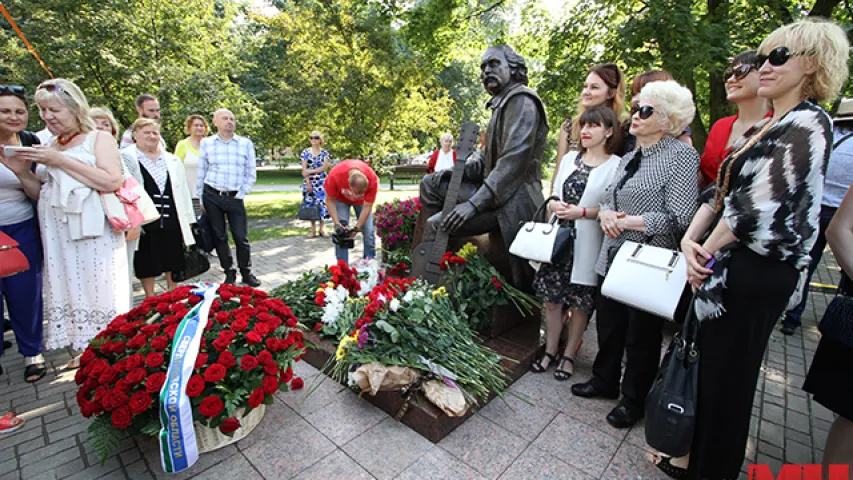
x=309 y=212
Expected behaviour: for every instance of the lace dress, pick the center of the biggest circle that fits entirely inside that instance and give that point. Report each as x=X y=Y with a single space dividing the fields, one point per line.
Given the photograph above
x=85 y=281
x=553 y=282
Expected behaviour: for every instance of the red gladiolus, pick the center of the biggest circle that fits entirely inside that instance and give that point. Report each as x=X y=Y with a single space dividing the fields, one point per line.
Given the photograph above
x=214 y=373
x=122 y=417
x=248 y=362
x=139 y=402
x=253 y=338
x=155 y=382
x=211 y=406
x=154 y=360
x=229 y=426
x=297 y=383
x=226 y=359
x=195 y=386
x=256 y=398
x=269 y=384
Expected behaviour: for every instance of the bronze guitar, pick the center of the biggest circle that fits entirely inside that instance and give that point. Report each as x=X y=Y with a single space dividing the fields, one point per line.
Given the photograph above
x=426 y=257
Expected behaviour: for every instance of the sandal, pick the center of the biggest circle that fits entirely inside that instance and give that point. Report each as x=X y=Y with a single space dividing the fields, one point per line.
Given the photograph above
x=563 y=375
x=74 y=363
x=35 y=368
x=665 y=465
x=536 y=366
x=10 y=422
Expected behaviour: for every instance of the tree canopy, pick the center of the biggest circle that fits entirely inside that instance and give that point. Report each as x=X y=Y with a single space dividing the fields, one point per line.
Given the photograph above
x=375 y=76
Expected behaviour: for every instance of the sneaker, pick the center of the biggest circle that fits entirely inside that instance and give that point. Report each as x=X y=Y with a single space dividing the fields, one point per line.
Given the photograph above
x=251 y=280
x=231 y=277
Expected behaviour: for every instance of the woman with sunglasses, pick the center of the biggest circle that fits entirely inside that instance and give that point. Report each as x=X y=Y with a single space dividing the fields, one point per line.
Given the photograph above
x=650 y=201
x=604 y=85
x=85 y=267
x=741 y=89
x=315 y=163
x=22 y=292
x=763 y=221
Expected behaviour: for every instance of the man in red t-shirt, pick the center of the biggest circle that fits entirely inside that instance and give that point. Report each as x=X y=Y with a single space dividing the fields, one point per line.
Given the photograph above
x=353 y=183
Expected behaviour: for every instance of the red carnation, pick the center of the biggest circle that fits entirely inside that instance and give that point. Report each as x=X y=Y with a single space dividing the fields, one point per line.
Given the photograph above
x=248 y=362
x=265 y=357
x=222 y=317
x=195 y=386
x=253 y=338
x=297 y=383
x=155 y=382
x=214 y=373
x=122 y=417
x=136 y=376
x=269 y=384
x=210 y=406
x=139 y=402
x=229 y=426
x=286 y=375
x=239 y=325
x=159 y=343
x=256 y=398
x=226 y=359
x=154 y=360
x=200 y=360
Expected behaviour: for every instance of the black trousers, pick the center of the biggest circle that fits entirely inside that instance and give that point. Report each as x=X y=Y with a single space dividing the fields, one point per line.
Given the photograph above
x=731 y=348
x=218 y=207
x=622 y=328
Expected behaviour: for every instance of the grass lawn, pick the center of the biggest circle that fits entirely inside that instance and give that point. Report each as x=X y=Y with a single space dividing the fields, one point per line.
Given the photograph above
x=288 y=177
x=272 y=233
x=286 y=204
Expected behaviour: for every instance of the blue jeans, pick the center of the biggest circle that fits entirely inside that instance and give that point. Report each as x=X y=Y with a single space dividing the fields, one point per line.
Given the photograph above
x=792 y=318
x=22 y=291
x=367 y=230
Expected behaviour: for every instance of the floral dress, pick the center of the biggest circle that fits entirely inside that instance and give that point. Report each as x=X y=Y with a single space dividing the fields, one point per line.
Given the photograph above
x=318 y=195
x=553 y=281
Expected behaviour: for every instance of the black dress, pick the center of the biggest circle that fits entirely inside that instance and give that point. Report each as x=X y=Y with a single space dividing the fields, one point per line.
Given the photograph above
x=161 y=246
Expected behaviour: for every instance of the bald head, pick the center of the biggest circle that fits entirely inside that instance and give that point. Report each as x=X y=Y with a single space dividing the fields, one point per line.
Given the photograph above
x=357 y=181
x=224 y=121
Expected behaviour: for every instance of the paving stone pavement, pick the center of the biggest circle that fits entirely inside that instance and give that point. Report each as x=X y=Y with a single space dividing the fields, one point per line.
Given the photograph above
x=542 y=431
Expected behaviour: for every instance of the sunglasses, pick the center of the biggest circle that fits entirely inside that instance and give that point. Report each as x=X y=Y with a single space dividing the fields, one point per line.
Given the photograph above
x=645 y=111
x=314 y=138
x=52 y=88
x=739 y=71
x=778 y=56
x=13 y=89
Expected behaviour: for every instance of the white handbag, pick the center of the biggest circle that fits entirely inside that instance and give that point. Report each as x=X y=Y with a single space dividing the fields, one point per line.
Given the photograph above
x=544 y=242
x=648 y=278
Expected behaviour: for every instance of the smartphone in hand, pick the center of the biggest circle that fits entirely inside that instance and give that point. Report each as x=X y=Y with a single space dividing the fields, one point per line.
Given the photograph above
x=11 y=150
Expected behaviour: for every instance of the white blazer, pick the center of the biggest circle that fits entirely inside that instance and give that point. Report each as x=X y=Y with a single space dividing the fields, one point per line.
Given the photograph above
x=180 y=190
x=589 y=234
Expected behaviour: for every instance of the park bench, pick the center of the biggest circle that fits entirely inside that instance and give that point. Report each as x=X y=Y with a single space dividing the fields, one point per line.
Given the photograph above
x=413 y=173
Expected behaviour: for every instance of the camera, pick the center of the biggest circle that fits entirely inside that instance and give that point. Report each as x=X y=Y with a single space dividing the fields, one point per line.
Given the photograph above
x=342 y=237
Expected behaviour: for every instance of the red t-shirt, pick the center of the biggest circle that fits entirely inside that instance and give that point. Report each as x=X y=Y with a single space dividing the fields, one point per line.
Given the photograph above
x=337 y=183
x=715 y=147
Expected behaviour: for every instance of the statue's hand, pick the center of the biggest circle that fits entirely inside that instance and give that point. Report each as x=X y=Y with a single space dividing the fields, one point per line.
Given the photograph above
x=455 y=219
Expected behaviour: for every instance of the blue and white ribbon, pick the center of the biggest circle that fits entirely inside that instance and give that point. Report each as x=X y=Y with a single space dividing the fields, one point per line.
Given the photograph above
x=178 y=449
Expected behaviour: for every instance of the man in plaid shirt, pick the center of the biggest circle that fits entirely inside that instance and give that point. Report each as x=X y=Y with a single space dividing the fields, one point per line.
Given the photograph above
x=226 y=173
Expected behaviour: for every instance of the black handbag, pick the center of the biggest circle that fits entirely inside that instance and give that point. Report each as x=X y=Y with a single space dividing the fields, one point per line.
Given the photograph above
x=309 y=212
x=837 y=321
x=195 y=263
x=202 y=233
x=671 y=403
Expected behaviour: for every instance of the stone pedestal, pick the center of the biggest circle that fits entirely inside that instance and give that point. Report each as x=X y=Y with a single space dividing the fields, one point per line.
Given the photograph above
x=518 y=344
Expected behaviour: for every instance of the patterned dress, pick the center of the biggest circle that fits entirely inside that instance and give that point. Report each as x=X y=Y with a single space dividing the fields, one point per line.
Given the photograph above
x=553 y=282
x=318 y=195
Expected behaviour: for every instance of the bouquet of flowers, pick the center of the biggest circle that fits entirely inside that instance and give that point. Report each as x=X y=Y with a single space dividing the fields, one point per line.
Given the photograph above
x=477 y=286
x=300 y=296
x=404 y=322
x=247 y=349
x=395 y=223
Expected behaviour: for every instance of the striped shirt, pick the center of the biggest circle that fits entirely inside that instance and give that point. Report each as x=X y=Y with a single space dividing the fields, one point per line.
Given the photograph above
x=226 y=166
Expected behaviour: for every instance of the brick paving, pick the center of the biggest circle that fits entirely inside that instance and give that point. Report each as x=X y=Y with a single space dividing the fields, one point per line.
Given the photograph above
x=541 y=432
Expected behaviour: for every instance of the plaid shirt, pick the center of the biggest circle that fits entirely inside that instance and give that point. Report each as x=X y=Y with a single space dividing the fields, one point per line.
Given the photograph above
x=226 y=166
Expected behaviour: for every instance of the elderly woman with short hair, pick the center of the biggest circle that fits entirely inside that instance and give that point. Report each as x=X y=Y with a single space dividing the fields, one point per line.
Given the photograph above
x=651 y=201
x=445 y=157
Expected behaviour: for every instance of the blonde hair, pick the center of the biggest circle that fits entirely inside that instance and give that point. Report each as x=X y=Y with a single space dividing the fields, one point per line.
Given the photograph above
x=673 y=101
x=141 y=123
x=826 y=46
x=104 y=113
x=69 y=95
x=188 y=123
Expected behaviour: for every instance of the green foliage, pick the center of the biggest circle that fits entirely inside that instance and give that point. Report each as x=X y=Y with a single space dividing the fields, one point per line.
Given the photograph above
x=104 y=437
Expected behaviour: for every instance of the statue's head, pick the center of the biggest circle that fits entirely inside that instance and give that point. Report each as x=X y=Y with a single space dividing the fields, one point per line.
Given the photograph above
x=502 y=67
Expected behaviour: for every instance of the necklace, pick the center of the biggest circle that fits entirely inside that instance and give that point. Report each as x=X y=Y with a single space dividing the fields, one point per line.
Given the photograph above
x=65 y=142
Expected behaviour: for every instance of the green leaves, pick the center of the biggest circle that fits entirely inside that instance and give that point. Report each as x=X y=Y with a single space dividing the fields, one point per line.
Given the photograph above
x=104 y=437
x=387 y=328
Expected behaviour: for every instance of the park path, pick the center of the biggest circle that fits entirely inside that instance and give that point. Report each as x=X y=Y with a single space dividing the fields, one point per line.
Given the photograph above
x=334 y=435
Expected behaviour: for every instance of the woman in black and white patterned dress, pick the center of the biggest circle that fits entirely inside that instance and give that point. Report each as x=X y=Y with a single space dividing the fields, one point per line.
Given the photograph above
x=315 y=163
x=651 y=201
